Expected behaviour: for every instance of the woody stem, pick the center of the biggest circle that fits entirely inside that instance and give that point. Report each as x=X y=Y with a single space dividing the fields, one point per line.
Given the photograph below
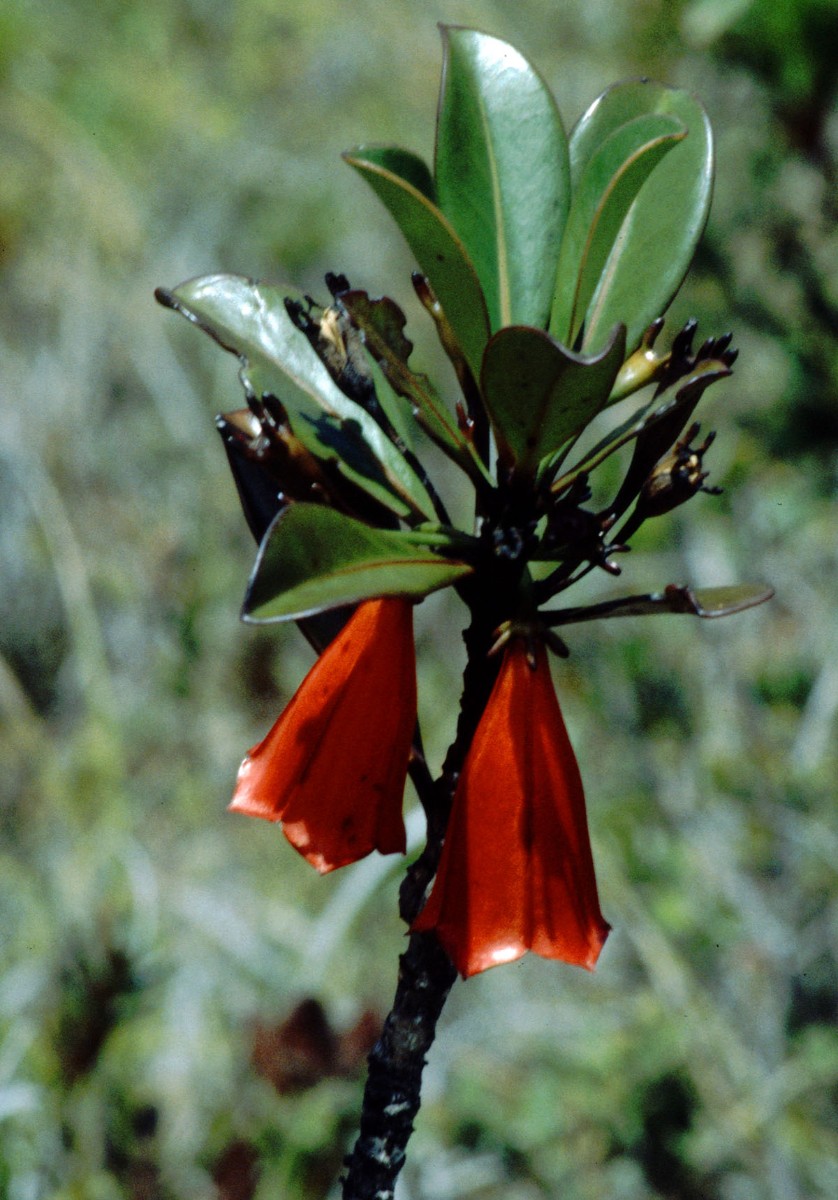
x=393 y=1090
x=426 y=975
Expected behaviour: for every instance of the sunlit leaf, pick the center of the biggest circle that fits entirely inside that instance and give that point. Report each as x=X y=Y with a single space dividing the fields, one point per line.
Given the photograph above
x=539 y=394
x=607 y=188
x=502 y=172
x=313 y=558
x=659 y=236
x=250 y=320
x=438 y=250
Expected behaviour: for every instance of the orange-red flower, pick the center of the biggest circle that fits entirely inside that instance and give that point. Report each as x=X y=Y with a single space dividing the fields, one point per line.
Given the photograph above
x=333 y=767
x=516 y=871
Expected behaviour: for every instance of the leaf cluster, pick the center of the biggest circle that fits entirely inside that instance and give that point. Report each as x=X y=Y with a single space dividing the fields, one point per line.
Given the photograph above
x=546 y=263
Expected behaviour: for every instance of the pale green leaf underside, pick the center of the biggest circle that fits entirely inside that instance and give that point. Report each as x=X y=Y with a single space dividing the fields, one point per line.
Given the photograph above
x=708 y=603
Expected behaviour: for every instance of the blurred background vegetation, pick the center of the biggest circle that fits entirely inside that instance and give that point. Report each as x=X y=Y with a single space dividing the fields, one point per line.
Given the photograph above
x=184 y=1006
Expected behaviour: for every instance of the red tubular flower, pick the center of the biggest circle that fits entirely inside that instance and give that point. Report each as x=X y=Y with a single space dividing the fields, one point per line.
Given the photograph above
x=333 y=767
x=516 y=871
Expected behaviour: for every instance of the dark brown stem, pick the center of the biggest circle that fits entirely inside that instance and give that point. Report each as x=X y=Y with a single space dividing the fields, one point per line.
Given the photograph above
x=393 y=1090
x=426 y=975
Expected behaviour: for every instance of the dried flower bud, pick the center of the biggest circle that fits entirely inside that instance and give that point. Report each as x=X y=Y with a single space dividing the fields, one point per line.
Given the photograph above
x=677 y=477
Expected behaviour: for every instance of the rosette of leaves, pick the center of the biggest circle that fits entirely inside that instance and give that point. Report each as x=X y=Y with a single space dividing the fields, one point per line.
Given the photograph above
x=547 y=263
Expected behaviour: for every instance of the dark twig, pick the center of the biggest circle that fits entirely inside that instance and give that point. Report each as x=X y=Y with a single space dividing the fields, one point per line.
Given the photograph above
x=392 y=1094
x=393 y=1089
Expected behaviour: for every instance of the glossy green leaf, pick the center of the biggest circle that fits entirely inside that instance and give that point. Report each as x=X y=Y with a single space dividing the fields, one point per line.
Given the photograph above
x=708 y=603
x=502 y=172
x=662 y=229
x=405 y=164
x=539 y=394
x=439 y=251
x=608 y=187
x=313 y=558
x=250 y=320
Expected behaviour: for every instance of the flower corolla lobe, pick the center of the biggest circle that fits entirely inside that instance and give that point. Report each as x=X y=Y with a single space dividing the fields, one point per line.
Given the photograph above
x=516 y=872
x=333 y=767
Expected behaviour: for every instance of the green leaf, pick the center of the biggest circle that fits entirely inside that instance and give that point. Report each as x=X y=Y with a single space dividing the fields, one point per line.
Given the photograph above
x=438 y=250
x=608 y=187
x=405 y=165
x=502 y=172
x=313 y=558
x=539 y=394
x=659 y=236
x=250 y=320
x=707 y=603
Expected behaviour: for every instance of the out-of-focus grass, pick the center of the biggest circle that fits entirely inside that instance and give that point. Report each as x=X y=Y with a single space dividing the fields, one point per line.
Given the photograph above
x=144 y=931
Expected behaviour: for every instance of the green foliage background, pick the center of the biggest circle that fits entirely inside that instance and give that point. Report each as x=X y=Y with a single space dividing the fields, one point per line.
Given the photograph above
x=144 y=930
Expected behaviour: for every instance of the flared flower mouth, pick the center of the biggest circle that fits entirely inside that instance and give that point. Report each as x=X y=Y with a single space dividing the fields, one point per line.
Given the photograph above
x=516 y=872
x=333 y=767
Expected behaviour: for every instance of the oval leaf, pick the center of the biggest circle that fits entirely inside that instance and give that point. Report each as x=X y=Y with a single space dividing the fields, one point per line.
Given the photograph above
x=250 y=320
x=502 y=172
x=539 y=394
x=313 y=558
x=607 y=189
x=662 y=229
x=438 y=249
